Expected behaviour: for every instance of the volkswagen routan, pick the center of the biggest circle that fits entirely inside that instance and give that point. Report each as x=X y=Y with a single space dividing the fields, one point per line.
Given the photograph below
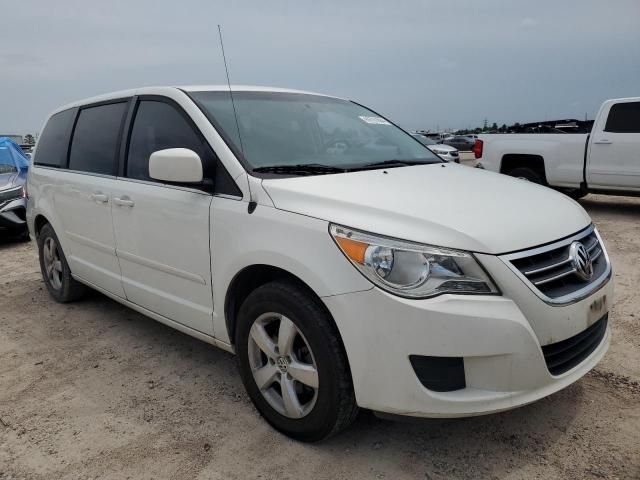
x=343 y=263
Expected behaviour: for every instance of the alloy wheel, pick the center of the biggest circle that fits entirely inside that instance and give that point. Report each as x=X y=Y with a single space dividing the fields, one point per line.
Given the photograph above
x=52 y=263
x=283 y=365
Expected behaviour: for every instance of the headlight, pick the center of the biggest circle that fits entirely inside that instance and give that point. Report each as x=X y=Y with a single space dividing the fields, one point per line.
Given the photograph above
x=440 y=152
x=411 y=269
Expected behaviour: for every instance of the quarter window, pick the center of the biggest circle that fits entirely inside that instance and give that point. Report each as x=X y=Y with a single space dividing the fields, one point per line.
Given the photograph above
x=54 y=141
x=624 y=118
x=94 y=145
x=158 y=126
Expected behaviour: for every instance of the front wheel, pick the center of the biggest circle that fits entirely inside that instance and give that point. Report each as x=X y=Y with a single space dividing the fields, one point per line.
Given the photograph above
x=292 y=362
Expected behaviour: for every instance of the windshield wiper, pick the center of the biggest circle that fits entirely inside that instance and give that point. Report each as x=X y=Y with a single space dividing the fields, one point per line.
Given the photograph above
x=395 y=163
x=300 y=169
x=319 y=169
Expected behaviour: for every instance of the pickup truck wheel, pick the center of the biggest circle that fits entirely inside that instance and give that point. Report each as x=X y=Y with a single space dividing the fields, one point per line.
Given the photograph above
x=55 y=269
x=292 y=362
x=527 y=174
x=575 y=193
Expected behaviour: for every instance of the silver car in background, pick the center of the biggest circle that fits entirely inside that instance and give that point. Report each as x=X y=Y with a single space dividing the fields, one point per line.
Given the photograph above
x=446 y=152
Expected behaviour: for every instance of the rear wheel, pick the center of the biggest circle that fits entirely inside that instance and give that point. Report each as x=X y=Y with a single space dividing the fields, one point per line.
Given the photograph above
x=55 y=269
x=528 y=174
x=292 y=362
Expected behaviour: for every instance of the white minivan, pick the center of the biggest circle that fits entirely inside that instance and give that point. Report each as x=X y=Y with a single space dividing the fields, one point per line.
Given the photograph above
x=342 y=262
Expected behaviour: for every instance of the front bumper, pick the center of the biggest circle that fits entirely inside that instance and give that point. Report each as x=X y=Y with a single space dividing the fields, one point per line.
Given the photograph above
x=504 y=365
x=13 y=214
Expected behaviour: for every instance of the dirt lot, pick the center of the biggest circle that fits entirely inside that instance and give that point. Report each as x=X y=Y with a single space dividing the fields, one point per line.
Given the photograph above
x=94 y=390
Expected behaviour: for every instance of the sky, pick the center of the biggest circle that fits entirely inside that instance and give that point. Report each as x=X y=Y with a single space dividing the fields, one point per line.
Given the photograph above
x=424 y=64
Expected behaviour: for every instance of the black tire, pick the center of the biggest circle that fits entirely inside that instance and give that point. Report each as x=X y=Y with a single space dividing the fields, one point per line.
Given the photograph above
x=69 y=289
x=334 y=407
x=528 y=174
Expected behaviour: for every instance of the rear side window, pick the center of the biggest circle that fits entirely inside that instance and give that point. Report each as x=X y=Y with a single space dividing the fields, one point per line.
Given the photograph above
x=95 y=141
x=624 y=118
x=54 y=141
x=158 y=126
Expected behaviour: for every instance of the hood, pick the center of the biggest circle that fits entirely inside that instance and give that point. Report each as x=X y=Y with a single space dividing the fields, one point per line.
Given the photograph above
x=9 y=180
x=440 y=204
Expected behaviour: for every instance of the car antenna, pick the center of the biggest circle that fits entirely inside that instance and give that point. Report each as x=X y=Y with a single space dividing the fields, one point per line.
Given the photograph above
x=252 y=203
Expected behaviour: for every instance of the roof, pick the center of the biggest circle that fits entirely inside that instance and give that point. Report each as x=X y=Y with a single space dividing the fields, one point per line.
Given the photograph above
x=244 y=88
x=187 y=88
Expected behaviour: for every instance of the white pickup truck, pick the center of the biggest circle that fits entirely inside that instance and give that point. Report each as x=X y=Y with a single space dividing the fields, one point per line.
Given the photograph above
x=607 y=160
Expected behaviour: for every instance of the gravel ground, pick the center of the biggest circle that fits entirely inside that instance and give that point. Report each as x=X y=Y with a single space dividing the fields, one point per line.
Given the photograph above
x=95 y=390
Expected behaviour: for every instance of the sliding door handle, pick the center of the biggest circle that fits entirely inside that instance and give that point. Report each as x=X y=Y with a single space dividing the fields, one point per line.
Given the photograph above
x=123 y=201
x=99 y=197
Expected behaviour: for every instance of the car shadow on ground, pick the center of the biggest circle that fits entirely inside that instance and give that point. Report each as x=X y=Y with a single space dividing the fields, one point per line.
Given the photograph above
x=611 y=205
x=97 y=335
x=477 y=447
x=11 y=241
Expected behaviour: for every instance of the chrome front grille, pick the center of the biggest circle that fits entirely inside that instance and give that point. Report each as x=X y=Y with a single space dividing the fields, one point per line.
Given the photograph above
x=555 y=265
x=555 y=275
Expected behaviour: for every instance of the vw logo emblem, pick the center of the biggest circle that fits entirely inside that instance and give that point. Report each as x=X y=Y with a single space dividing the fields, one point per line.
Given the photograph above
x=283 y=364
x=581 y=261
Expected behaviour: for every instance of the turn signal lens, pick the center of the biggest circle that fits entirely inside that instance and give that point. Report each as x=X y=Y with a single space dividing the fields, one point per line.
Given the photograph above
x=352 y=249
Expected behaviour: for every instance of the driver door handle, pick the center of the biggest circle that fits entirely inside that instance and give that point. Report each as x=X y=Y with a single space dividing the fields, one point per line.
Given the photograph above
x=123 y=201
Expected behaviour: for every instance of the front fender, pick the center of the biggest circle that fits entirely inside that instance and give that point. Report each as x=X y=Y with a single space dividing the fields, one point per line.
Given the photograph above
x=295 y=243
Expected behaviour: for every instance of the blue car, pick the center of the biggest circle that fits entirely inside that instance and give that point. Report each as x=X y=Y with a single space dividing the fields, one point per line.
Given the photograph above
x=14 y=166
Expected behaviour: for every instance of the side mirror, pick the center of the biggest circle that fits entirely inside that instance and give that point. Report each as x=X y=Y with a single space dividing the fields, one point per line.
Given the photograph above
x=179 y=165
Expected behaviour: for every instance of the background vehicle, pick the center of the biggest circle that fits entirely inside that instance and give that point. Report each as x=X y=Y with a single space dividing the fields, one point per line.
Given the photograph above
x=460 y=142
x=446 y=152
x=437 y=136
x=567 y=125
x=14 y=166
x=607 y=160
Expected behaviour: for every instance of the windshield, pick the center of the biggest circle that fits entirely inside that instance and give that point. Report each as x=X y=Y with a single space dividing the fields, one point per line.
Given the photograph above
x=7 y=163
x=282 y=129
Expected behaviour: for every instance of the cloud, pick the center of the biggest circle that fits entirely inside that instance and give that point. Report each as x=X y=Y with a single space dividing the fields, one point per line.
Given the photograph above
x=448 y=64
x=421 y=63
